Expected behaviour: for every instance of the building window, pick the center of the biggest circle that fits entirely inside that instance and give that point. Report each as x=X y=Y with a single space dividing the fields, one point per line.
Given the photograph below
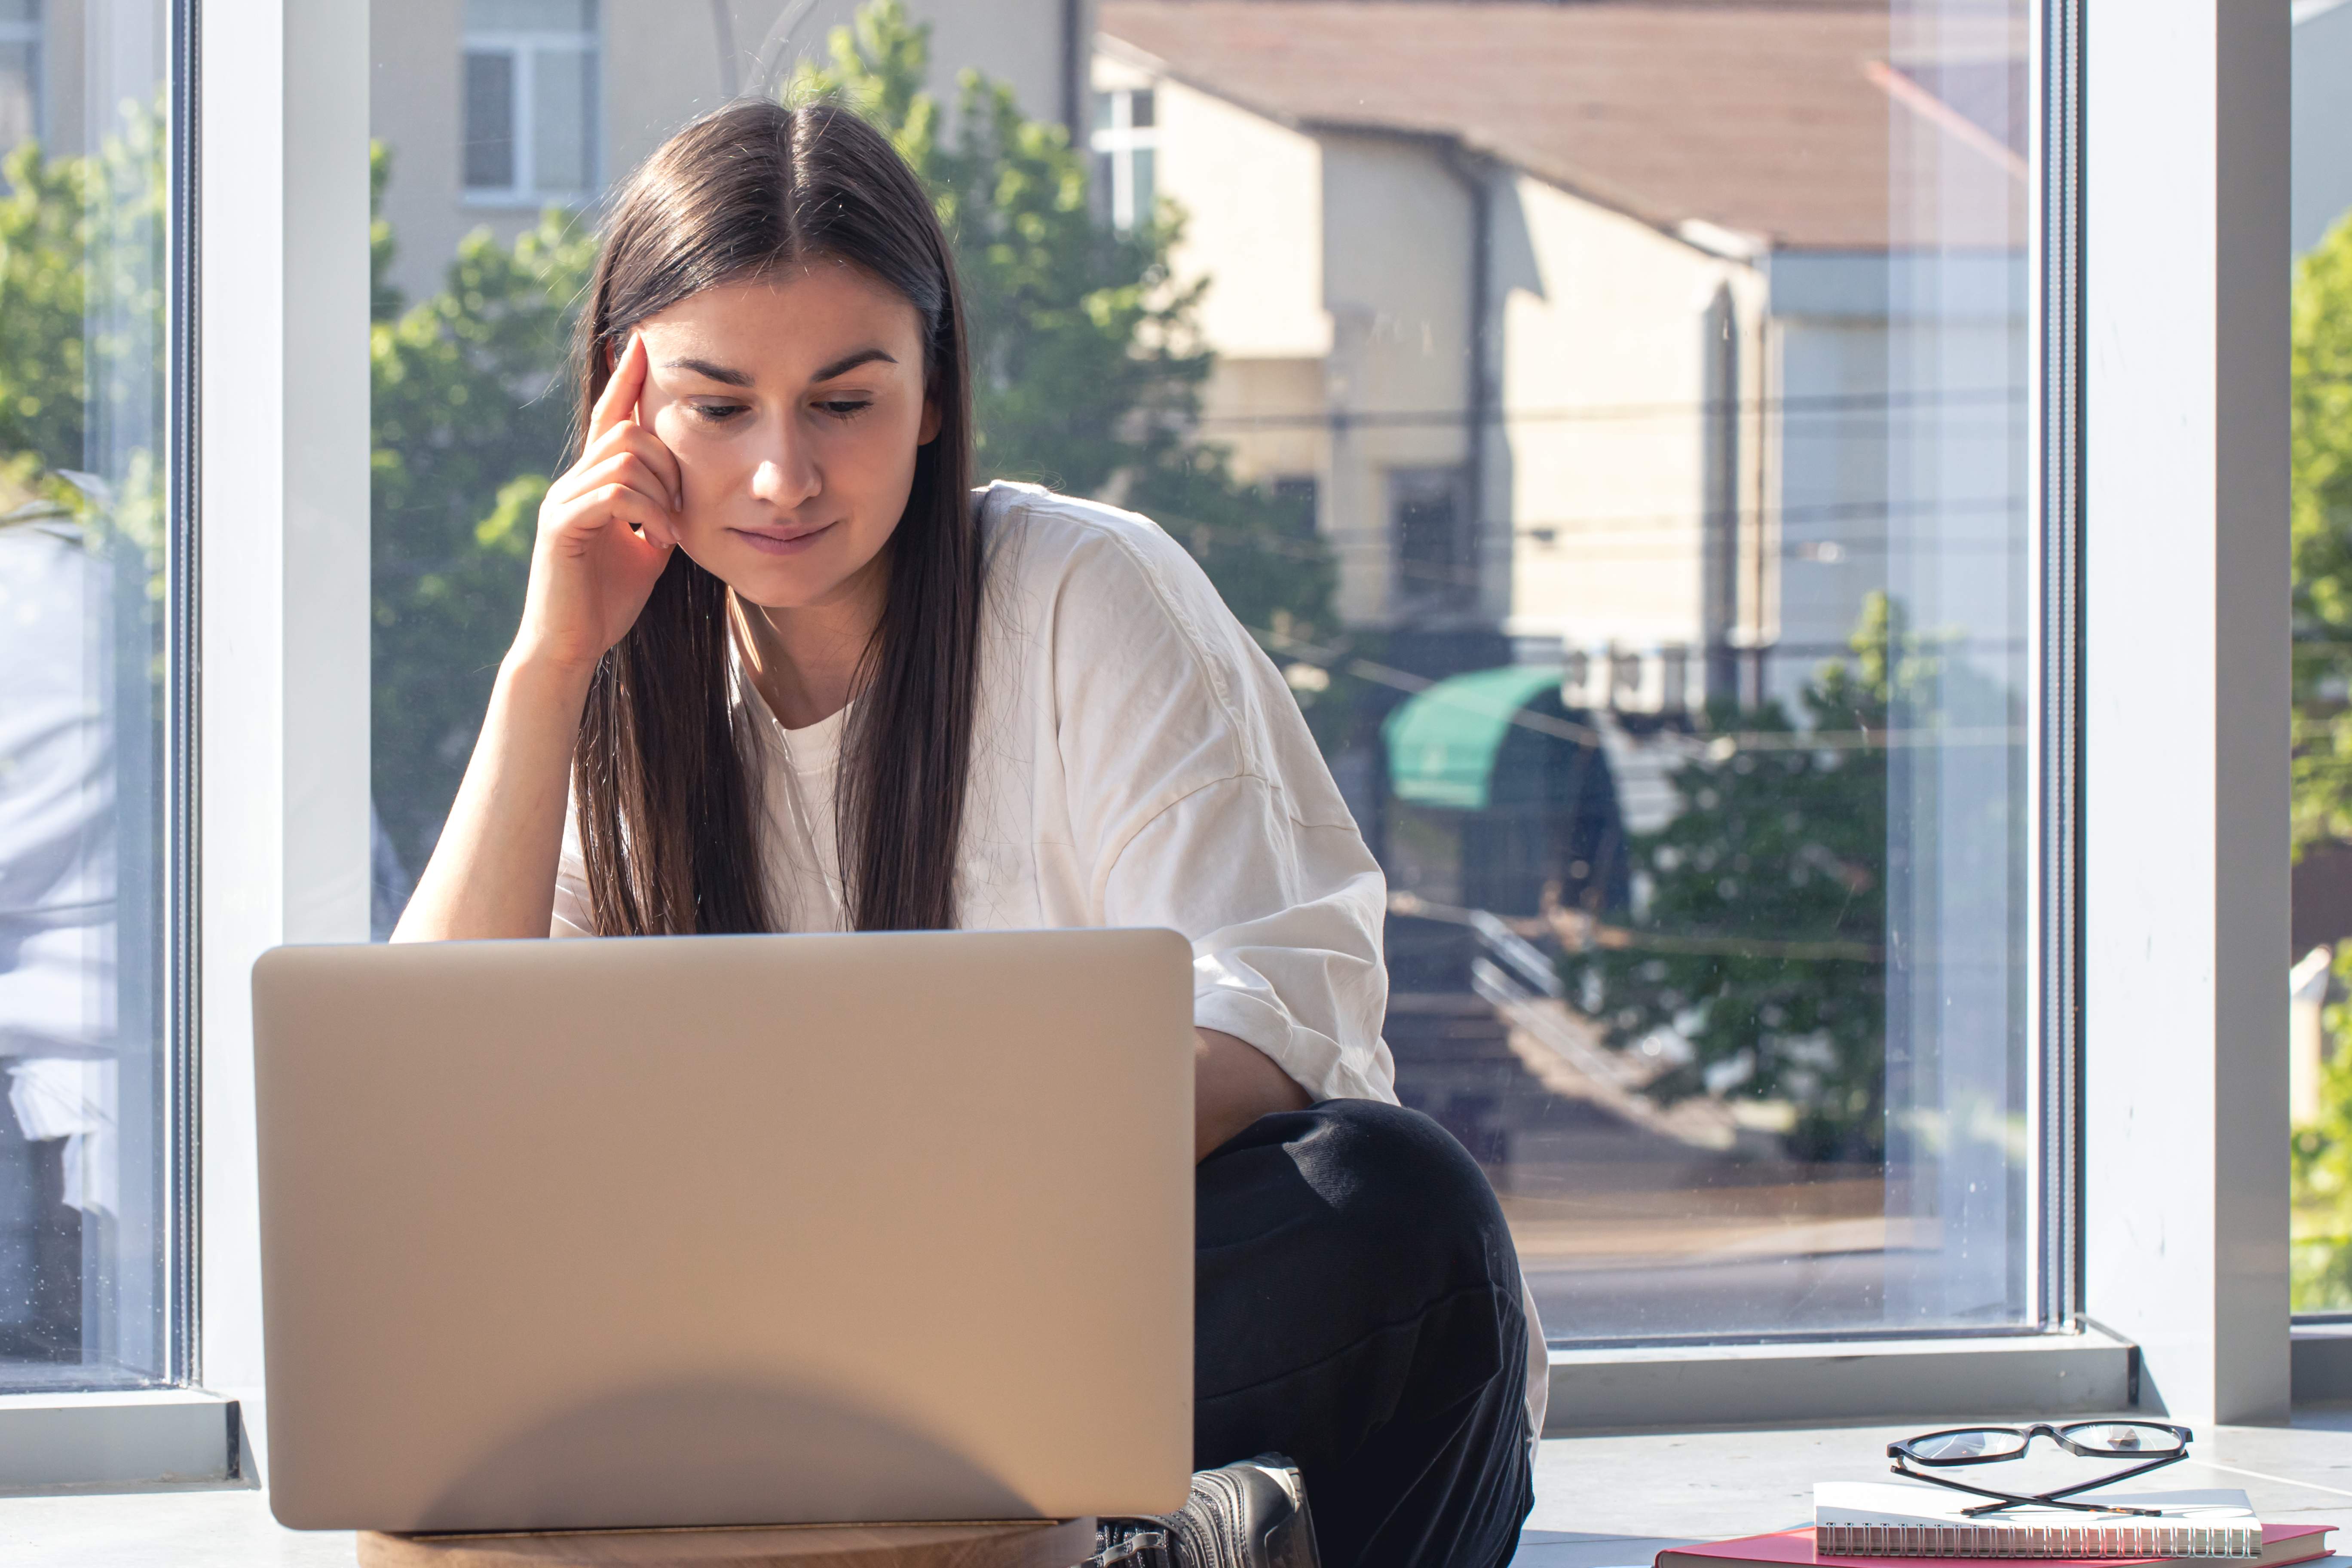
x=530 y=89
x=20 y=73
x=1296 y=495
x=1427 y=508
x=1126 y=135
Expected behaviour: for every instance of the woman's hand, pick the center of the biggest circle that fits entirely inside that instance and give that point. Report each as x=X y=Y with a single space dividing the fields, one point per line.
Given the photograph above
x=605 y=532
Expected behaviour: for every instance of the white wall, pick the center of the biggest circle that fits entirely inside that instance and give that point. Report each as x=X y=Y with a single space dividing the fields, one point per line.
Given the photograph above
x=1605 y=387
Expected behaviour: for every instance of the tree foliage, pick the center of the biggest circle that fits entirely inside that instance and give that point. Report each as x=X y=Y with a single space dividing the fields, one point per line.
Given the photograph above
x=1758 y=951
x=81 y=295
x=471 y=413
x=2322 y=469
x=1086 y=372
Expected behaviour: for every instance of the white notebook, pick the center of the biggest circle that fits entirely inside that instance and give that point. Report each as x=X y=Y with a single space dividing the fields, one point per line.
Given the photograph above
x=1912 y=1518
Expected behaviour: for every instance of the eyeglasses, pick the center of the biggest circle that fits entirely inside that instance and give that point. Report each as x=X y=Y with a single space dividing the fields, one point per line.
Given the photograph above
x=2156 y=1443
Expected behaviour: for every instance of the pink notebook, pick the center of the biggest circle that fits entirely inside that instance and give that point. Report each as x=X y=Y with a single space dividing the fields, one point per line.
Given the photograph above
x=2281 y=1544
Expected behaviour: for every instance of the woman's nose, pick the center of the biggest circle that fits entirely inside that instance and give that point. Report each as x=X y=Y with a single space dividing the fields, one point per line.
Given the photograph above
x=785 y=478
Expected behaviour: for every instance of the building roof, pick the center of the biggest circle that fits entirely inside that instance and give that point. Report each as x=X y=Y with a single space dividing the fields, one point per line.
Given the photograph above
x=1778 y=121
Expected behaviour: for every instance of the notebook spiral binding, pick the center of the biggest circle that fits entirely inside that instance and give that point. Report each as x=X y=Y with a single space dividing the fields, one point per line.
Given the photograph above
x=2243 y=1541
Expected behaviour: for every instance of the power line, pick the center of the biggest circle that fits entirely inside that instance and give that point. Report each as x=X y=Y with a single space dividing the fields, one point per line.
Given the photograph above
x=1823 y=403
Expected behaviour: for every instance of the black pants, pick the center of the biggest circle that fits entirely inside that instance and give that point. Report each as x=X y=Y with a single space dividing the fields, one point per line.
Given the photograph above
x=1359 y=1309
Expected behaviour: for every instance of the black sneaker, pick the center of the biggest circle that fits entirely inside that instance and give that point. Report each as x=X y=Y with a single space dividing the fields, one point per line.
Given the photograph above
x=1251 y=1514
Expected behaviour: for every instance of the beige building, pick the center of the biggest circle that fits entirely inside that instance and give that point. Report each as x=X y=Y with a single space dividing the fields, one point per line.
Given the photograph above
x=1583 y=323
x=495 y=108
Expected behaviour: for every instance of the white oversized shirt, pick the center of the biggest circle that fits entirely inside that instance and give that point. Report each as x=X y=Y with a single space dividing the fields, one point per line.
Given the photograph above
x=1137 y=762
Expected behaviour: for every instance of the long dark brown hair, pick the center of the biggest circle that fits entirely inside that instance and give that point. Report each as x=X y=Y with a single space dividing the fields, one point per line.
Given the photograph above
x=670 y=820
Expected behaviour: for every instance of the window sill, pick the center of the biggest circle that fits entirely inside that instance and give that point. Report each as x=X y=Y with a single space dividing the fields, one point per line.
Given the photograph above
x=1656 y=1387
x=172 y=1435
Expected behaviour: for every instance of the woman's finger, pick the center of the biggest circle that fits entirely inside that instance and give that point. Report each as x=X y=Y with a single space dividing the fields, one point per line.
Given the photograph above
x=629 y=466
x=629 y=436
x=620 y=398
x=590 y=513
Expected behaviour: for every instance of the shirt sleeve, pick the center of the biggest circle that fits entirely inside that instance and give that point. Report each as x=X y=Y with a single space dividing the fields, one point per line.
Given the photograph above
x=1284 y=922
x=1199 y=800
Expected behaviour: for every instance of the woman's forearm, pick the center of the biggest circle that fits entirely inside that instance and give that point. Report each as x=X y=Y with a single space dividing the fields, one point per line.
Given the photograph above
x=1233 y=1084
x=493 y=872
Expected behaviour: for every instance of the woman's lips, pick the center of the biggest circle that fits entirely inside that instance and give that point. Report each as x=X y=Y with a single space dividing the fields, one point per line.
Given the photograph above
x=781 y=543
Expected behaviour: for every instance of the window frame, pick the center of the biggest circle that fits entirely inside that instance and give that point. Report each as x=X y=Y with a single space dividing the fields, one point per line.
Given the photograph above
x=1120 y=143
x=521 y=47
x=2163 y=217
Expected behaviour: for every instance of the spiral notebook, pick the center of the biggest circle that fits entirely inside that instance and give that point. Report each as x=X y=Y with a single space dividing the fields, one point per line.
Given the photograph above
x=2282 y=1544
x=1900 y=1519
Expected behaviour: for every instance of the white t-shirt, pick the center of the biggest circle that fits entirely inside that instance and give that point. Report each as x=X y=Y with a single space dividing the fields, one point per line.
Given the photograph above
x=1138 y=760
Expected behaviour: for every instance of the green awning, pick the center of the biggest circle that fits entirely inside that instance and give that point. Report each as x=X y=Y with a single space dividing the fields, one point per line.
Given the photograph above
x=1442 y=740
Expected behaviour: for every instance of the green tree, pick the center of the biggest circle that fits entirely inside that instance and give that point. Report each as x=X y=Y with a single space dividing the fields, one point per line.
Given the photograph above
x=2322 y=470
x=1086 y=372
x=81 y=302
x=1760 y=943
x=471 y=413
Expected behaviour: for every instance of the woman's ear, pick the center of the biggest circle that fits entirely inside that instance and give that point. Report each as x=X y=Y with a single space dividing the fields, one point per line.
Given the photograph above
x=930 y=430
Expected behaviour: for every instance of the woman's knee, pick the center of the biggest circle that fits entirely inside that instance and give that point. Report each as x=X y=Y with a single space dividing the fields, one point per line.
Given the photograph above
x=1404 y=1179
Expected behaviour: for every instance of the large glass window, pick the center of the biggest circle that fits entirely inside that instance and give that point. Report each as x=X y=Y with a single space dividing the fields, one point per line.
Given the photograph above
x=1613 y=419
x=88 y=591
x=2320 y=1070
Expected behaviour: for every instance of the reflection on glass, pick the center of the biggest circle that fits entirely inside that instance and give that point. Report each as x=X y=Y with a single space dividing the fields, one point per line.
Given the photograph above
x=1612 y=420
x=82 y=551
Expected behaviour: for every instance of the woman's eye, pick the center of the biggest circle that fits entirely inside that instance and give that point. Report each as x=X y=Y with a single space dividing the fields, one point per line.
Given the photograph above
x=845 y=407
x=717 y=412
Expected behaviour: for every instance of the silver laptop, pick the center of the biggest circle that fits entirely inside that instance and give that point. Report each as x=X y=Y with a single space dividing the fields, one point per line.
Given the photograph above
x=727 y=1230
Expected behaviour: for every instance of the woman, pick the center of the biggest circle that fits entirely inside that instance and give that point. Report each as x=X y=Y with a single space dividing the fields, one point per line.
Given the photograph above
x=780 y=670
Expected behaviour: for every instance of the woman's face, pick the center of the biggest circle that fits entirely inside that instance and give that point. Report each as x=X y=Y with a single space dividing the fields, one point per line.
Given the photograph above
x=794 y=404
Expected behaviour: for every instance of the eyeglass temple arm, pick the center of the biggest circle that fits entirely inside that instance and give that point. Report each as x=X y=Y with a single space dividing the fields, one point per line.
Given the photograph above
x=2012 y=1500
x=2118 y=1476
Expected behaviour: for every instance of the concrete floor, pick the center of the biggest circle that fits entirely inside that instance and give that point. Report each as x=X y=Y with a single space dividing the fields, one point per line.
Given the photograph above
x=1602 y=1502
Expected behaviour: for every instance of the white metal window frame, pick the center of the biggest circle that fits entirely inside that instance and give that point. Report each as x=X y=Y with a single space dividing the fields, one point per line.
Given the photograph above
x=522 y=48
x=2182 y=744
x=1121 y=142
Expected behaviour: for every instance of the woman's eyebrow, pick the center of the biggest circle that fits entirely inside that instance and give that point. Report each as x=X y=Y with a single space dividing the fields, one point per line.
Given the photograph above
x=709 y=371
x=849 y=363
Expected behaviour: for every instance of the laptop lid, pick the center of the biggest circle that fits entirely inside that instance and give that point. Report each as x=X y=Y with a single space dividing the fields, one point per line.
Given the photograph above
x=727 y=1230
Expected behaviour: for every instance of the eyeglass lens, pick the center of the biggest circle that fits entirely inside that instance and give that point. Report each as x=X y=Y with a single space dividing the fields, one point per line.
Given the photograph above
x=1976 y=1442
x=2125 y=1437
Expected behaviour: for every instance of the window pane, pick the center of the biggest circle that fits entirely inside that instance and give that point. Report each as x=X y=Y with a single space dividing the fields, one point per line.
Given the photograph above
x=1146 y=189
x=563 y=96
x=1614 y=426
x=84 y=1035
x=2320 y=1071
x=490 y=121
